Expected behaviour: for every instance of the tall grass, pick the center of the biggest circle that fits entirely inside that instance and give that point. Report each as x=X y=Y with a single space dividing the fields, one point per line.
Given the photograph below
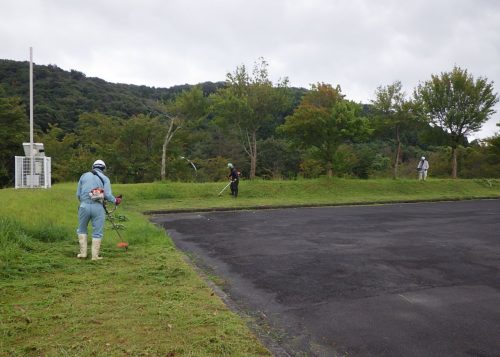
x=13 y=243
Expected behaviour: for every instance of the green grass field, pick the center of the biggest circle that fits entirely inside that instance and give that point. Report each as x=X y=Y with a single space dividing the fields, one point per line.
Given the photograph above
x=148 y=301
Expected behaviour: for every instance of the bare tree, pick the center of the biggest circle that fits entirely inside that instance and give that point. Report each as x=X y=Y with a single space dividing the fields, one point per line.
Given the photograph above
x=174 y=124
x=186 y=107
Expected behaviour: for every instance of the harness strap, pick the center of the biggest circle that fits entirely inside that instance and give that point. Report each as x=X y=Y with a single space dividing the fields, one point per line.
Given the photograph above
x=100 y=178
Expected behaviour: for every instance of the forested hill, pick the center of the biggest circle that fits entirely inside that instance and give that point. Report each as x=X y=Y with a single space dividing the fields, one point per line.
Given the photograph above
x=61 y=96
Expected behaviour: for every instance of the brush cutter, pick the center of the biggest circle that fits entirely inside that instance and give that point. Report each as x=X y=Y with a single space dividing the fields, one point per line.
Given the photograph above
x=220 y=193
x=121 y=243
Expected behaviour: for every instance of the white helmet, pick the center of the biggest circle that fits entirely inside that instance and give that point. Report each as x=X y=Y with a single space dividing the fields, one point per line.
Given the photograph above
x=423 y=158
x=99 y=164
x=230 y=165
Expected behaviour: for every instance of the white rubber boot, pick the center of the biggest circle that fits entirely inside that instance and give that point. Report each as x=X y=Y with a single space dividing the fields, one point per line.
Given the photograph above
x=96 y=246
x=82 y=239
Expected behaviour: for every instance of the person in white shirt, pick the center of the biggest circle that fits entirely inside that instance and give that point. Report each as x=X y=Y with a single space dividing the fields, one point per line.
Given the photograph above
x=422 y=167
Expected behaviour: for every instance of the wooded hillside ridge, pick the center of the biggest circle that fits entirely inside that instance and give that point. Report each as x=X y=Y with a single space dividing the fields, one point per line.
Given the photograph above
x=267 y=129
x=60 y=96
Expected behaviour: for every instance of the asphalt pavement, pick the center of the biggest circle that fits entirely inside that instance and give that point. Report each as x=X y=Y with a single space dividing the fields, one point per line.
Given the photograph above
x=409 y=280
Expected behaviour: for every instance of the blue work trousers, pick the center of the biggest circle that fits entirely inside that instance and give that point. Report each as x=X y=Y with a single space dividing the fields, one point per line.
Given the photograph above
x=91 y=211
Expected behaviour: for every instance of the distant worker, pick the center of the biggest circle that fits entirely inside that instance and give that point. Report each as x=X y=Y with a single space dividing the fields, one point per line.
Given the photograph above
x=422 y=167
x=234 y=176
x=93 y=189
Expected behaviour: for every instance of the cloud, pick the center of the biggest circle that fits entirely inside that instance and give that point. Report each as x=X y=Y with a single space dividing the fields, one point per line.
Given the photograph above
x=358 y=44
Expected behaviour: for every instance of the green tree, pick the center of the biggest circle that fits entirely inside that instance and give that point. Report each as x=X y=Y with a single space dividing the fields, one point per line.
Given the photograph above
x=15 y=130
x=324 y=120
x=490 y=156
x=458 y=103
x=61 y=147
x=138 y=149
x=278 y=159
x=97 y=137
x=394 y=112
x=97 y=133
x=248 y=103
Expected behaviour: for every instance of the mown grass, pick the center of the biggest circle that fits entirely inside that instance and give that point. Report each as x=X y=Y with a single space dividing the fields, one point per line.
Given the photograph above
x=258 y=193
x=147 y=301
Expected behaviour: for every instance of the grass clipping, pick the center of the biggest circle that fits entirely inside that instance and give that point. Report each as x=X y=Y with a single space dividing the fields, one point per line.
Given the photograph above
x=142 y=302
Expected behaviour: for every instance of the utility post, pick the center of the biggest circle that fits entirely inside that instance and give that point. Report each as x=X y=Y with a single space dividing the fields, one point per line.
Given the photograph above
x=33 y=170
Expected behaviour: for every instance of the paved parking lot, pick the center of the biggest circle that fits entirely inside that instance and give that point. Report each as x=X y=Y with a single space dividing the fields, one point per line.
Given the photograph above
x=390 y=280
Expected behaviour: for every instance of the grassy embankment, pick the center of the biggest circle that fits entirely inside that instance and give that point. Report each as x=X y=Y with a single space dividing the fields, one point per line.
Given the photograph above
x=262 y=194
x=147 y=301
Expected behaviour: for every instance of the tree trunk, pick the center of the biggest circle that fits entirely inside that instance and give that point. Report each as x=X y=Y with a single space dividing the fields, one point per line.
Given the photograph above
x=398 y=152
x=250 y=147
x=329 y=169
x=454 y=162
x=170 y=134
x=163 y=159
x=253 y=155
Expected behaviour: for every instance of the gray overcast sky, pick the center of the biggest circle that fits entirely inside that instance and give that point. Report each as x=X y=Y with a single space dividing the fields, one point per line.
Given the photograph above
x=359 y=44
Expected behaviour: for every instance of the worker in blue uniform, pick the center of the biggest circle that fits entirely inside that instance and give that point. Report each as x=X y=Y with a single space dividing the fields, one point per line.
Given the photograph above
x=94 y=187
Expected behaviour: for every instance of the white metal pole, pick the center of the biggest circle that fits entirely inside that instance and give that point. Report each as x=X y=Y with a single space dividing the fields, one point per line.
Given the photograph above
x=31 y=117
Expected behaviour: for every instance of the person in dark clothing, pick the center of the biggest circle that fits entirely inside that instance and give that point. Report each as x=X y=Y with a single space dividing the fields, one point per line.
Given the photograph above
x=235 y=178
